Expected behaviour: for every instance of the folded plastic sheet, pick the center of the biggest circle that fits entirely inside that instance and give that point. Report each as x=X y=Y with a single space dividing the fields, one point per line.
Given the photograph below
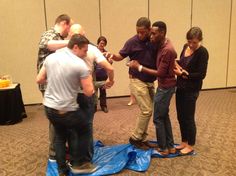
x=113 y=159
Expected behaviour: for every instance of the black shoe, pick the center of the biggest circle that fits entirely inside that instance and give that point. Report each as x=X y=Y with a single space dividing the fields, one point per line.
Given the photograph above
x=104 y=109
x=138 y=144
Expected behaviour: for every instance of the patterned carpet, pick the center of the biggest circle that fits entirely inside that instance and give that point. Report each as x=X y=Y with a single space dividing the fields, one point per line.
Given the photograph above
x=24 y=146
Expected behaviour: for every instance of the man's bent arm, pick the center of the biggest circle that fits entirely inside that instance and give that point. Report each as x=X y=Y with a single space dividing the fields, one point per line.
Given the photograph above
x=87 y=85
x=110 y=72
x=53 y=45
x=117 y=57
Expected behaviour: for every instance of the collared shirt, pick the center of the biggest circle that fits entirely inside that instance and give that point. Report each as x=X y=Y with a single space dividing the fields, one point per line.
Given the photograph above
x=43 y=52
x=142 y=51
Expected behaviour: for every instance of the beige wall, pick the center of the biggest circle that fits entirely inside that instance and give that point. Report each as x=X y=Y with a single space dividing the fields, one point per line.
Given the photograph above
x=118 y=24
x=231 y=78
x=85 y=12
x=214 y=19
x=23 y=22
x=177 y=23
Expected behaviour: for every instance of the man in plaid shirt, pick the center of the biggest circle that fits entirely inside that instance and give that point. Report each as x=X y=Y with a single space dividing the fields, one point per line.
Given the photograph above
x=50 y=41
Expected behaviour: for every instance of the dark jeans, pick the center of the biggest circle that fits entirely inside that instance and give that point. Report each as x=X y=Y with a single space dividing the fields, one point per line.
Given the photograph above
x=161 y=118
x=51 y=135
x=103 y=97
x=87 y=104
x=75 y=128
x=185 y=105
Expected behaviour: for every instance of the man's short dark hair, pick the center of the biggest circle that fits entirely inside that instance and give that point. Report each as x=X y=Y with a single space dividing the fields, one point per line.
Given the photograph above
x=194 y=32
x=102 y=38
x=161 y=26
x=78 y=40
x=63 y=17
x=143 y=22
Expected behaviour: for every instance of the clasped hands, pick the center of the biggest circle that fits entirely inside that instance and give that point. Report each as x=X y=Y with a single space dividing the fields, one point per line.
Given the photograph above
x=133 y=64
x=181 y=72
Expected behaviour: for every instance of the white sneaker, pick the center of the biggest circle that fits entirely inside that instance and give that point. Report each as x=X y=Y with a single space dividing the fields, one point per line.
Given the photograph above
x=52 y=160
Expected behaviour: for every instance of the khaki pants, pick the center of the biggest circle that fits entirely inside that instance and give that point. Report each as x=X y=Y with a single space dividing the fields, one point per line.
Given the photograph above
x=97 y=85
x=144 y=94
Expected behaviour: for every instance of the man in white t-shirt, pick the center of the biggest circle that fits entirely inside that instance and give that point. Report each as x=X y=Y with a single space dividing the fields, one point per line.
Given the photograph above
x=94 y=55
x=65 y=72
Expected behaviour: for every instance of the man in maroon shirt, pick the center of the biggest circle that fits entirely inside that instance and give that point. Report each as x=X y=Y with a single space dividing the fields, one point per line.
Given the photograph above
x=165 y=62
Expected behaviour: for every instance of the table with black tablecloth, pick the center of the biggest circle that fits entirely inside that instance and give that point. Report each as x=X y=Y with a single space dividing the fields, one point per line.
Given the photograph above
x=12 y=108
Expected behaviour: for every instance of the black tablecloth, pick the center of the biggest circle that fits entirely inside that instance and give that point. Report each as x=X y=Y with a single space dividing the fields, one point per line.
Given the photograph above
x=12 y=108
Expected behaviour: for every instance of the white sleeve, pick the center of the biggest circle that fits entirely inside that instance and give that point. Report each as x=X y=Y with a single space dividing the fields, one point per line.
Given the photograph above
x=98 y=56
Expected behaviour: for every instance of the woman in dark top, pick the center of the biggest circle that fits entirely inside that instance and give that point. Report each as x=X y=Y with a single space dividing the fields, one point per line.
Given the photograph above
x=190 y=70
x=101 y=77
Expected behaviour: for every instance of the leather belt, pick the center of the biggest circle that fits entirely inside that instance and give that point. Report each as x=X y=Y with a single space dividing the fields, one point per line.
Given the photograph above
x=61 y=112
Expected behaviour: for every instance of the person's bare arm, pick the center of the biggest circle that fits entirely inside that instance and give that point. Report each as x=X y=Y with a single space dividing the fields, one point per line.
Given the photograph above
x=135 y=64
x=115 y=57
x=110 y=72
x=87 y=85
x=42 y=76
x=53 y=45
x=179 y=71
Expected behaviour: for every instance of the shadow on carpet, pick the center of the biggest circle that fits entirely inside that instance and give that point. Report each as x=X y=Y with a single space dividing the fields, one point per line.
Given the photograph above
x=112 y=159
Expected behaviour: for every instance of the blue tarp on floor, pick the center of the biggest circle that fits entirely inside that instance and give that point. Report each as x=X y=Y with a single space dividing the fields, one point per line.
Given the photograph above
x=112 y=159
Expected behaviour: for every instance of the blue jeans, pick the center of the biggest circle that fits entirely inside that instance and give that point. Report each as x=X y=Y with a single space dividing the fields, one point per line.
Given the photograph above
x=161 y=118
x=75 y=128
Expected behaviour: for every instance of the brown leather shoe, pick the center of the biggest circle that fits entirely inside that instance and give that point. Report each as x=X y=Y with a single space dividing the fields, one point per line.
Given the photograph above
x=172 y=150
x=164 y=152
x=138 y=144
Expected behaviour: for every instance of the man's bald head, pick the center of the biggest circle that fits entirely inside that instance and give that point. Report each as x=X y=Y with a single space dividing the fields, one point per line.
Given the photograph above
x=76 y=29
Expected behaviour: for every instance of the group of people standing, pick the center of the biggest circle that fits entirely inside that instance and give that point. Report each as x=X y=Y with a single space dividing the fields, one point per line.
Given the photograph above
x=190 y=69
x=67 y=67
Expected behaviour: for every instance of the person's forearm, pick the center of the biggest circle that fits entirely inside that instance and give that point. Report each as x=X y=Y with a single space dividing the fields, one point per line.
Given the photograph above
x=110 y=74
x=109 y=69
x=149 y=71
x=177 y=65
x=53 y=45
x=117 y=57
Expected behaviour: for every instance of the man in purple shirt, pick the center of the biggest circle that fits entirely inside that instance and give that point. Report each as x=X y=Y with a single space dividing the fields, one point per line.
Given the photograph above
x=141 y=49
x=165 y=62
